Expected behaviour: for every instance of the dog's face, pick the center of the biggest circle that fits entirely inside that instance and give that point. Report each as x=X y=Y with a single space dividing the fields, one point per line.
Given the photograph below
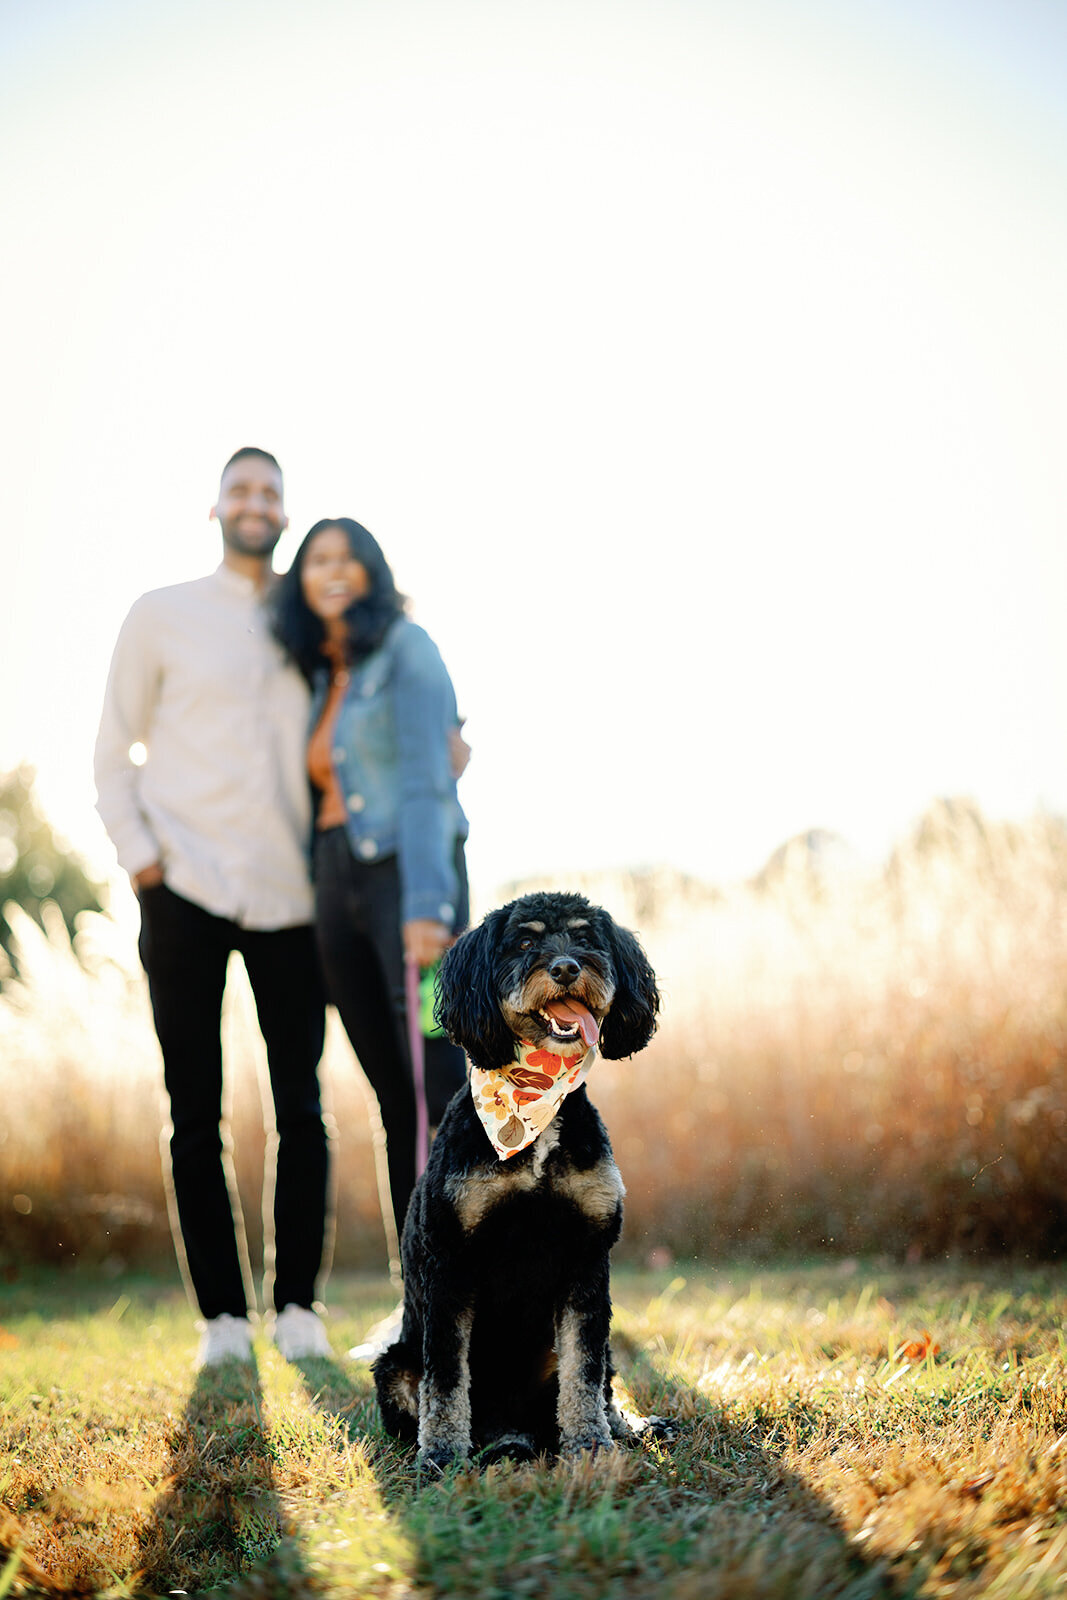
x=551 y=969
x=554 y=976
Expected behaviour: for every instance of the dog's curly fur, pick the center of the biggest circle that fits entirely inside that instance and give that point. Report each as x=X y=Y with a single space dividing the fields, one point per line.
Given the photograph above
x=504 y=1344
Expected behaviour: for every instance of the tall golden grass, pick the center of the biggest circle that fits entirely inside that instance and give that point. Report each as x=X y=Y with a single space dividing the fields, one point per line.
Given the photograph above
x=849 y=1061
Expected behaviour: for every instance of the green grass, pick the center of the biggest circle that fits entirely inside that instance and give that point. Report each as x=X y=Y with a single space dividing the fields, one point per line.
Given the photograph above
x=844 y=1430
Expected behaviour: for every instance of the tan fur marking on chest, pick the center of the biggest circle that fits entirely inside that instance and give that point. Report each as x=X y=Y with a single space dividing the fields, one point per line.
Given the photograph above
x=596 y=1192
x=477 y=1193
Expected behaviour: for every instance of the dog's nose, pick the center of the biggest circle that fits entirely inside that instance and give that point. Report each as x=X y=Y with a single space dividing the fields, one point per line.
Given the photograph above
x=564 y=969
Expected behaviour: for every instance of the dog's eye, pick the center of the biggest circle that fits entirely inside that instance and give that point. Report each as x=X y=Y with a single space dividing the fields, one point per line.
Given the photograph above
x=525 y=944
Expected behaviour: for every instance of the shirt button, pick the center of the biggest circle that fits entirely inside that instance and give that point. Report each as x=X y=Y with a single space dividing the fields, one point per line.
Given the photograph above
x=337 y=756
x=368 y=848
x=445 y=912
x=355 y=802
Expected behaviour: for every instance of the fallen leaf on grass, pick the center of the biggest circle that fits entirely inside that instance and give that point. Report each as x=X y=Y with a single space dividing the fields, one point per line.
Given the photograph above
x=919 y=1349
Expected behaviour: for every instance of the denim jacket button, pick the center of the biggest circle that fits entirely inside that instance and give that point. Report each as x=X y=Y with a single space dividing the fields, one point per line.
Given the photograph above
x=355 y=802
x=368 y=848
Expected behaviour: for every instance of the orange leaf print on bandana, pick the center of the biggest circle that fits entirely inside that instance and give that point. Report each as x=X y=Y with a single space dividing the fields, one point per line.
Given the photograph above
x=530 y=1080
x=547 y=1061
x=517 y=1102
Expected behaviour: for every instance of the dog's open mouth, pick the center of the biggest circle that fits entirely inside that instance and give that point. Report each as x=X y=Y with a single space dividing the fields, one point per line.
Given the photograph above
x=570 y=1019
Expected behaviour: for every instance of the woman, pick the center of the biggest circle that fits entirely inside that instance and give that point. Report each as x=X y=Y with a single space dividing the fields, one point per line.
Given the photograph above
x=387 y=853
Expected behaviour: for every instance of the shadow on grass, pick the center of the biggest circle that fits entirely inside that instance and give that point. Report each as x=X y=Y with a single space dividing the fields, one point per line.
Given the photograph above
x=764 y=1532
x=219 y=1516
x=714 y=1511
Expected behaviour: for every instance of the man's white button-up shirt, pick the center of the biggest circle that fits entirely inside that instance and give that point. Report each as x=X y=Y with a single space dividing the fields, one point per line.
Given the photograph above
x=222 y=800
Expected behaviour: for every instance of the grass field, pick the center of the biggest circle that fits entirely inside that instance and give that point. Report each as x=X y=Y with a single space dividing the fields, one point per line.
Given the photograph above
x=845 y=1430
x=867 y=1067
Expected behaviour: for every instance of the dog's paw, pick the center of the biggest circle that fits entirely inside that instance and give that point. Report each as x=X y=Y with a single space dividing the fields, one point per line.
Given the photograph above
x=643 y=1430
x=581 y=1444
x=518 y=1447
x=629 y=1427
x=435 y=1459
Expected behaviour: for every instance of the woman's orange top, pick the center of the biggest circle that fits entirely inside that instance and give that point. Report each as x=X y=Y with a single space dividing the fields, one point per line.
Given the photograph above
x=332 y=812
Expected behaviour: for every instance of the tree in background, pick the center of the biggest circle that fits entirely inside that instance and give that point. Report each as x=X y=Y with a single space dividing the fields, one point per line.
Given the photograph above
x=36 y=864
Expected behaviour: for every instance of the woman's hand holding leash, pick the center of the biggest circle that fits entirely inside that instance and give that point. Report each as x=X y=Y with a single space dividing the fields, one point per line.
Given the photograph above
x=425 y=942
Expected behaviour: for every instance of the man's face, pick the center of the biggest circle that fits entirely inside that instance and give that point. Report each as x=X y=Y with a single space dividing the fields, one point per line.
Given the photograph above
x=249 y=508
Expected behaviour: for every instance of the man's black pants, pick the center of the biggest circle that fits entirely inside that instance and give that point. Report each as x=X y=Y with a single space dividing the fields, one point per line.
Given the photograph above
x=185 y=950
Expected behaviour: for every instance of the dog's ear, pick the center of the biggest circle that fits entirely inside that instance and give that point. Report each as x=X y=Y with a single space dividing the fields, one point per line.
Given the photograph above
x=466 y=1005
x=631 y=1022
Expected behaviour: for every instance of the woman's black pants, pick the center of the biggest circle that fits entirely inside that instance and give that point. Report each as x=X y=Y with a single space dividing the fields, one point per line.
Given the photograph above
x=357 y=920
x=185 y=950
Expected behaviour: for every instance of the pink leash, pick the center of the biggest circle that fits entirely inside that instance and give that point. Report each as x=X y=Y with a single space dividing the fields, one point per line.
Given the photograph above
x=418 y=1064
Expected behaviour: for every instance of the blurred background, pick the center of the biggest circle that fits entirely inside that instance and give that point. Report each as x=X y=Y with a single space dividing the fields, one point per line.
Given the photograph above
x=700 y=369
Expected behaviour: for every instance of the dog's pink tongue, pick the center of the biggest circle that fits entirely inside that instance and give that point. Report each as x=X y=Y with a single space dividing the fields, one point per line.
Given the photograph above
x=571 y=1011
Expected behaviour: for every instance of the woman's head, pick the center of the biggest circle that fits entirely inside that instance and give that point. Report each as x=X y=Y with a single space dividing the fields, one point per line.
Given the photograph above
x=339 y=586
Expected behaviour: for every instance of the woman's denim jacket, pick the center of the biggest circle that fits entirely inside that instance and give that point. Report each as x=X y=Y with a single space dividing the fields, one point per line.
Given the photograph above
x=390 y=753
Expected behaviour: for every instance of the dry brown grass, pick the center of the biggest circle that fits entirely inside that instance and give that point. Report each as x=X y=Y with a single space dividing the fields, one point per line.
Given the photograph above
x=847 y=1061
x=857 y=1062
x=80 y=1170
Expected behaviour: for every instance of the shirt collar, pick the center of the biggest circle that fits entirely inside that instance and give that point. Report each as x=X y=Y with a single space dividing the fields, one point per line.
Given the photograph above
x=238 y=584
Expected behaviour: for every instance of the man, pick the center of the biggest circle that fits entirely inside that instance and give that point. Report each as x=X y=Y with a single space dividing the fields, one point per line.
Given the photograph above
x=212 y=828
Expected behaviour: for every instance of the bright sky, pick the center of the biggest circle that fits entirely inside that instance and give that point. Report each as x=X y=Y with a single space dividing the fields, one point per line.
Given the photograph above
x=700 y=367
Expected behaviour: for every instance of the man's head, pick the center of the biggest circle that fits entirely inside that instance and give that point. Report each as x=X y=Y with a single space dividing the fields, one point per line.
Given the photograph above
x=250 y=508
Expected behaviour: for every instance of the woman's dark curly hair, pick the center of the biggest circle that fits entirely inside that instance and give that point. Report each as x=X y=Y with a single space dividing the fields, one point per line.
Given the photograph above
x=302 y=633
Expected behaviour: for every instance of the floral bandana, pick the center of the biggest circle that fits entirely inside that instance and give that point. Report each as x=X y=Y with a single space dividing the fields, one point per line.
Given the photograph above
x=516 y=1103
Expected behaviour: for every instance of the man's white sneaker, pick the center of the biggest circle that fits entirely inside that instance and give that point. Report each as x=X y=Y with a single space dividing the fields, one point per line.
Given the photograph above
x=380 y=1337
x=224 y=1338
x=299 y=1333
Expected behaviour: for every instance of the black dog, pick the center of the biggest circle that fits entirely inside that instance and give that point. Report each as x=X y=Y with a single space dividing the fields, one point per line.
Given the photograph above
x=504 y=1344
